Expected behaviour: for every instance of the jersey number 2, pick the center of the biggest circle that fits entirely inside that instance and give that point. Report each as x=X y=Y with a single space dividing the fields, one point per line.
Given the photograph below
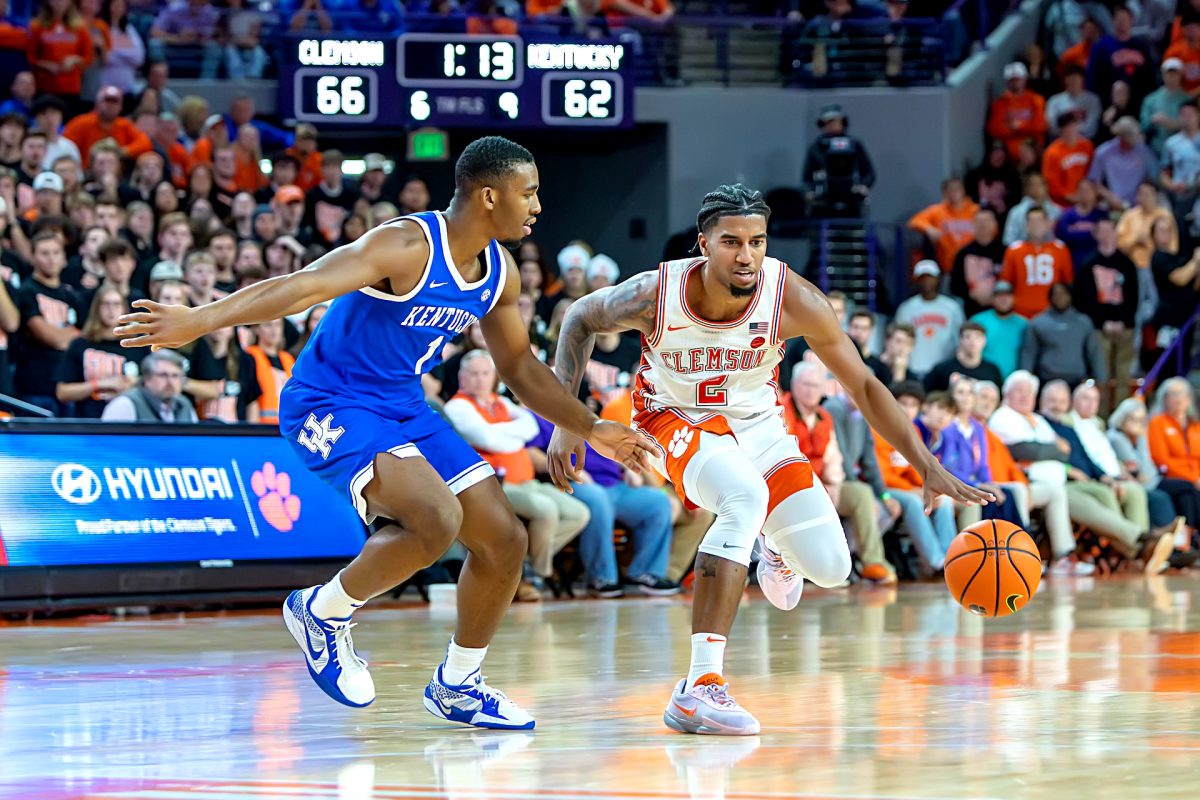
x=710 y=392
x=433 y=346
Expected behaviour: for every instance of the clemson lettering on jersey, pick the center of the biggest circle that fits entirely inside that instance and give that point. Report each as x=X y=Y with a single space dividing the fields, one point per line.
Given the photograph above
x=712 y=359
x=683 y=369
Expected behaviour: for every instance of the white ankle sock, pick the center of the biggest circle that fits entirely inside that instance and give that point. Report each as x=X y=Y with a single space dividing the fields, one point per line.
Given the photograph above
x=708 y=655
x=332 y=602
x=461 y=662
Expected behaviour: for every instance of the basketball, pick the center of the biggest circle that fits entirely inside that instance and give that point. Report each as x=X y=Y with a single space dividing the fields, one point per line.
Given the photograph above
x=993 y=568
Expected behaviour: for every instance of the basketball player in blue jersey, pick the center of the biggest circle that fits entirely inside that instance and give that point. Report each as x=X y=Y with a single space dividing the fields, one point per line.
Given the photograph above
x=355 y=413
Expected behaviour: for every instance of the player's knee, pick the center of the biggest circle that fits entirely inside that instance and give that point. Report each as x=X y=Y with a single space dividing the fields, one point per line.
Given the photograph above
x=829 y=568
x=434 y=527
x=820 y=552
x=508 y=543
x=746 y=498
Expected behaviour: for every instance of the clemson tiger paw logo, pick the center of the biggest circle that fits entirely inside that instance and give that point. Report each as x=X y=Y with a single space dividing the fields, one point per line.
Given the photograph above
x=279 y=507
x=680 y=441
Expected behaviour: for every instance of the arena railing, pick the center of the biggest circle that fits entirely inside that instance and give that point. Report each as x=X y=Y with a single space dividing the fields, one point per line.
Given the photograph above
x=1184 y=361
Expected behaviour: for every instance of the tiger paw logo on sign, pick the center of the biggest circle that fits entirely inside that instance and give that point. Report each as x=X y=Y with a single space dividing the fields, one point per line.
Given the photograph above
x=279 y=507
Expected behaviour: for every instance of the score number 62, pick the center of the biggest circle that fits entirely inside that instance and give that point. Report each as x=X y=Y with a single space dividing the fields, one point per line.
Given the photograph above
x=582 y=99
x=341 y=95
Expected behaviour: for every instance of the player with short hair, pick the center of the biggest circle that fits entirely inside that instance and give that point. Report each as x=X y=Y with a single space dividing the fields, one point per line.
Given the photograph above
x=356 y=415
x=714 y=329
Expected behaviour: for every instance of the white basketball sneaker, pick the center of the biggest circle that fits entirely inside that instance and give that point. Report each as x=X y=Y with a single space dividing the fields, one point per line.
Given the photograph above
x=473 y=702
x=328 y=651
x=708 y=708
x=779 y=584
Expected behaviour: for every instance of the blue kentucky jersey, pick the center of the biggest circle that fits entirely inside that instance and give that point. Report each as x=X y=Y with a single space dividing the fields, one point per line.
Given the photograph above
x=372 y=347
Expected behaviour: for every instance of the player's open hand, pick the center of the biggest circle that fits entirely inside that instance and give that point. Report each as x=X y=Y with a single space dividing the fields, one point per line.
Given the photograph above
x=622 y=444
x=559 y=453
x=158 y=326
x=940 y=482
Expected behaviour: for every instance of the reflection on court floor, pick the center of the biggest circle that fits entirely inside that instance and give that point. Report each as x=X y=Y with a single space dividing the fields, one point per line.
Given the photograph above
x=1091 y=692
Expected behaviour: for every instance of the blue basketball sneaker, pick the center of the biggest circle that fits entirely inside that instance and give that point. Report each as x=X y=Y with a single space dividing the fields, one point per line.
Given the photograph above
x=474 y=703
x=328 y=651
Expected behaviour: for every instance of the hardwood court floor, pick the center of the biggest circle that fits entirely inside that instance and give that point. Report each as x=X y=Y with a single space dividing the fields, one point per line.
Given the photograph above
x=1091 y=692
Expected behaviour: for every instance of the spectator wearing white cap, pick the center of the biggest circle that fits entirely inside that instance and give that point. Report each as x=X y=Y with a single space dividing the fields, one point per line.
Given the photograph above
x=935 y=317
x=1019 y=114
x=602 y=271
x=1160 y=110
x=370 y=183
x=1077 y=99
x=573 y=261
x=47 y=196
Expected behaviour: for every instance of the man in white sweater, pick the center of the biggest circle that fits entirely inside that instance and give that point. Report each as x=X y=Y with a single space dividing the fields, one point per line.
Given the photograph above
x=935 y=317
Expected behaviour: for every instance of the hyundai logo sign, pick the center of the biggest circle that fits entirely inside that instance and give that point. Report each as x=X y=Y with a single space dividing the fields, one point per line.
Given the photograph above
x=75 y=483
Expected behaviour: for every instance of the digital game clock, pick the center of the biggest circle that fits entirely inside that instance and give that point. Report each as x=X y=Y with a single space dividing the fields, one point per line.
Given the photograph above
x=457 y=80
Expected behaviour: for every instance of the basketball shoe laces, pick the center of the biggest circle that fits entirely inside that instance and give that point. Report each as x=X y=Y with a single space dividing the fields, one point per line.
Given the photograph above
x=343 y=650
x=779 y=565
x=718 y=694
x=494 y=695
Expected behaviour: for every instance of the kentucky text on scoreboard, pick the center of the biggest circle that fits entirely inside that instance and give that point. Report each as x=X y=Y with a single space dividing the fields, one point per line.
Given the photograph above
x=456 y=80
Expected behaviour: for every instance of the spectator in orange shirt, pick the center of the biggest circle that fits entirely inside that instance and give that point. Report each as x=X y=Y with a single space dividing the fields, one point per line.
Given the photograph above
x=60 y=49
x=12 y=35
x=1174 y=432
x=1034 y=264
x=1077 y=54
x=1019 y=114
x=247 y=147
x=949 y=225
x=166 y=139
x=106 y=123
x=654 y=10
x=1187 y=50
x=305 y=152
x=1066 y=161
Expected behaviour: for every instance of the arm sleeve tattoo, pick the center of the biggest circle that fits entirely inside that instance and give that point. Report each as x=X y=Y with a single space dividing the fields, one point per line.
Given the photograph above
x=626 y=306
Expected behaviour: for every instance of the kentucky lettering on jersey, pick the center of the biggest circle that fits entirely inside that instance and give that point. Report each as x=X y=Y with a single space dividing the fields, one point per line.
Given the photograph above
x=372 y=347
x=456 y=320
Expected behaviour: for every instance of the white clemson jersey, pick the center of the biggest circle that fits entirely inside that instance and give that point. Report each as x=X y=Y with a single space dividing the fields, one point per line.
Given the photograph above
x=700 y=367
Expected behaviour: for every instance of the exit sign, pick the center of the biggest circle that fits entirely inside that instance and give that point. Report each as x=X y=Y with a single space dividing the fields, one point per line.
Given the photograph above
x=428 y=144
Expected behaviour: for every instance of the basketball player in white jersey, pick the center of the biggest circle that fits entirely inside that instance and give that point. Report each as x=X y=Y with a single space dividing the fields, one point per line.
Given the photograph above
x=713 y=330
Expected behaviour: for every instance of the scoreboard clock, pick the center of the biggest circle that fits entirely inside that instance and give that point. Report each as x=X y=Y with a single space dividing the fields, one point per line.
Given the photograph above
x=457 y=80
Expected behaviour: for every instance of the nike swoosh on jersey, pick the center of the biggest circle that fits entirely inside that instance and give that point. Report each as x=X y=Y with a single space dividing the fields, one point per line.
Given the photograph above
x=435 y=285
x=677 y=327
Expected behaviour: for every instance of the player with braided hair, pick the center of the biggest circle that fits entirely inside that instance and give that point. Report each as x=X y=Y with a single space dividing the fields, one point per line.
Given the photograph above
x=713 y=332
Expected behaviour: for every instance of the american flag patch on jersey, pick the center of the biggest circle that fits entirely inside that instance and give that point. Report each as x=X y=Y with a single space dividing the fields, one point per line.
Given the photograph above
x=759 y=327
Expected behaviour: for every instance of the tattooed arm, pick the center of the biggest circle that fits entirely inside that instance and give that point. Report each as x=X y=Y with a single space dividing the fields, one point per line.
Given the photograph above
x=626 y=306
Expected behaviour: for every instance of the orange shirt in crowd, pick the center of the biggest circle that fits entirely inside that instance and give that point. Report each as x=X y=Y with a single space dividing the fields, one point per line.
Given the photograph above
x=1032 y=269
x=537 y=8
x=1000 y=461
x=653 y=6
x=896 y=471
x=1190 y=56
x=87 y=129
x=517 y=466
x=1175 y=450
x=13 y=37
x=310 y=168
x=956 y=226
x=814 y=441
x=180 y=164
x=1017 y=117
x=1075 y=56
x=248 y=177
x=1064 y=166
x=55 y=43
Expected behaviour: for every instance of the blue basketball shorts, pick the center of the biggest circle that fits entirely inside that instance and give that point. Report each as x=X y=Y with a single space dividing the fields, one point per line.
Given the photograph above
x=338 y=441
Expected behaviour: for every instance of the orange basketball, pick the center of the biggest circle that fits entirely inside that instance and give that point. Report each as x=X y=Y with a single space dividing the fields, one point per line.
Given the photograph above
x=993 y=568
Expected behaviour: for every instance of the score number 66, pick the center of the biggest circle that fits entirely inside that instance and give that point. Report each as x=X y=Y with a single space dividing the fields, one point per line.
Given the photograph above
x=341 y=95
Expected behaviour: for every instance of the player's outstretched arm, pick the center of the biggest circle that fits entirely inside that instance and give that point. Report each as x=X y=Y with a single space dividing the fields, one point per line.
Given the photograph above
x=536 y=386
x=627 y=306
x=806 y=312
x=396 y=252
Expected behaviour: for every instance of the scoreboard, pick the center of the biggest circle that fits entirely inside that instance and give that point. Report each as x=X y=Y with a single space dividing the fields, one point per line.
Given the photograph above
x=457 y=80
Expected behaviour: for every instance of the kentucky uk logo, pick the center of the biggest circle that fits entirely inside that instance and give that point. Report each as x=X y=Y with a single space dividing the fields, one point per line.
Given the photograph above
x=75 y=483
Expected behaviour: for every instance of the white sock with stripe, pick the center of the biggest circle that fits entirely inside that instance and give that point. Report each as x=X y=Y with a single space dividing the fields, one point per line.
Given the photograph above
x=708 y=656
